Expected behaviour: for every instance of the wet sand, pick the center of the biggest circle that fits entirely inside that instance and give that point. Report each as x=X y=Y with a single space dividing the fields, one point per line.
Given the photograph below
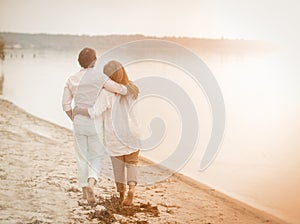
x=38 y=184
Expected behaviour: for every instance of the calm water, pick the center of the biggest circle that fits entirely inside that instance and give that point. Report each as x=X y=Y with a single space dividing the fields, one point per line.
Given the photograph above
x=259 y=159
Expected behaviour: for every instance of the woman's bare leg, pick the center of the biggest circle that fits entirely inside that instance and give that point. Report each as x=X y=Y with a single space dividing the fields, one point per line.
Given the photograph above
x=122 y=196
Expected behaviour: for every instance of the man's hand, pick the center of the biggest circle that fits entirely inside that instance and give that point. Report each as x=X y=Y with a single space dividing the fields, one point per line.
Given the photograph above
x=132 y=89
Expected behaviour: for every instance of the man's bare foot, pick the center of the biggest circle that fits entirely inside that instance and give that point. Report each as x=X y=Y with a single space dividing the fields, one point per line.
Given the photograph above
x=122 y=196
x=90 y=196
x=129 y=198
x=84 y=193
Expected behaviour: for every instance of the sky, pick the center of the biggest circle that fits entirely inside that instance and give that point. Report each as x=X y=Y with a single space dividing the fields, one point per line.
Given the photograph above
x=234 y=19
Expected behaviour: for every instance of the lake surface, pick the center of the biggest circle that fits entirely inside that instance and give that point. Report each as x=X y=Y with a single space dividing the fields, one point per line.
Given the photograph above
x=259 y=159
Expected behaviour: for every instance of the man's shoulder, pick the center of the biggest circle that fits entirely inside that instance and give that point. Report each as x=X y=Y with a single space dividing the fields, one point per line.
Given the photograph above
x=91 y=71
x=94 y=75
x=82 y=74
x=76 y=75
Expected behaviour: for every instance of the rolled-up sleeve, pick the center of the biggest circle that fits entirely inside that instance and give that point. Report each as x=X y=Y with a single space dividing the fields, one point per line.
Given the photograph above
x=115 y=87
x=67 y=98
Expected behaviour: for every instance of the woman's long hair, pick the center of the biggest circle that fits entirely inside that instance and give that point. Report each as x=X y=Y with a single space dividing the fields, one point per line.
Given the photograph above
x=116 y=72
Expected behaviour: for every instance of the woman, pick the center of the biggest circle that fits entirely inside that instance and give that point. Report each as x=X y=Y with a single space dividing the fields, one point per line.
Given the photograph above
x=122 y=155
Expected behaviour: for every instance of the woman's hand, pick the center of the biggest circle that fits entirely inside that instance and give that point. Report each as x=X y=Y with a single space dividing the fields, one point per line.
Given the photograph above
x=81 y=111
x=75 y=111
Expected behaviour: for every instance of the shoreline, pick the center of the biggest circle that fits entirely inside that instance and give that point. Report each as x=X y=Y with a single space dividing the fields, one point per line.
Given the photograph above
x=49 y=157
x=217 y=193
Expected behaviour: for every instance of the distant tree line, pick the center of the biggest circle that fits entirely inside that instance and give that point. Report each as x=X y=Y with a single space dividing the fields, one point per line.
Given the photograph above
x=2 y=57
x=2 y=53
x=63 y=42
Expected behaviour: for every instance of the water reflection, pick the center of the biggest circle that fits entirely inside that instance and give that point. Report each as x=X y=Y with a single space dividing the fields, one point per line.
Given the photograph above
x=259 y=159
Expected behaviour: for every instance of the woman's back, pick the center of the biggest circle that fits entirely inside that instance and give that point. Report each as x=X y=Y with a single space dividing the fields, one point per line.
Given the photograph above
x=120 y=125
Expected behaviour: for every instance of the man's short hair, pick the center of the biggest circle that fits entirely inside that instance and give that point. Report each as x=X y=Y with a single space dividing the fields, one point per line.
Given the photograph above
x=87 y=57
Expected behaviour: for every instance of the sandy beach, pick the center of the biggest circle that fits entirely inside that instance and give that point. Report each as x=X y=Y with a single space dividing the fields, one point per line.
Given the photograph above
x=38 y=184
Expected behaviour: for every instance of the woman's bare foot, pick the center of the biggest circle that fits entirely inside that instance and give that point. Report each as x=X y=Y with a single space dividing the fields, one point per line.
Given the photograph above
x=84 y=193
x=129 y=198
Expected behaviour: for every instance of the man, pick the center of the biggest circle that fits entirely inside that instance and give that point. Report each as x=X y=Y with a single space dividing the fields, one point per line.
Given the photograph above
x=83 y=87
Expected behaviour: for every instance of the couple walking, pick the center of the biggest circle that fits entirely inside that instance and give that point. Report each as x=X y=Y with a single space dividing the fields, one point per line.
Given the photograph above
x=94 y=95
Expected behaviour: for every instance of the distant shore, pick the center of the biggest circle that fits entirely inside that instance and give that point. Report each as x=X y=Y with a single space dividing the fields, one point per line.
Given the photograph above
x=39 y=185
x=63 y=42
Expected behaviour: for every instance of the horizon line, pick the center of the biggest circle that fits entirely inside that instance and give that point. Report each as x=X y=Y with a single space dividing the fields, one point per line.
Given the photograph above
x=133 y=34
